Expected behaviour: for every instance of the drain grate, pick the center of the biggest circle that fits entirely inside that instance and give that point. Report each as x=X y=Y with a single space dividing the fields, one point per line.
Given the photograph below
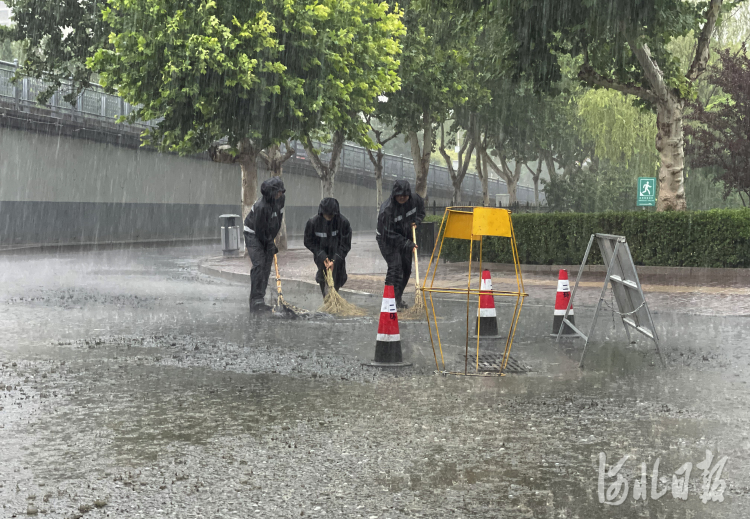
x=491 y=362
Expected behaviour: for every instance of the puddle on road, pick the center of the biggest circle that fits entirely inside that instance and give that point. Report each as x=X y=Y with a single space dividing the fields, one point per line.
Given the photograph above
x=128 y=427
x=186 y=406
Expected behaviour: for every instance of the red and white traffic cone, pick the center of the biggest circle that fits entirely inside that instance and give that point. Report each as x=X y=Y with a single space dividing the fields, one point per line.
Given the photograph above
x=487 y=315
x=561 y=303
x=388 y=343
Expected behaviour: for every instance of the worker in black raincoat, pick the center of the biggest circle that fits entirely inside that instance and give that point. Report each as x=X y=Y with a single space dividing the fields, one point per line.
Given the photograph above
x=262 y=224
x=329 y=237
x=402 y=211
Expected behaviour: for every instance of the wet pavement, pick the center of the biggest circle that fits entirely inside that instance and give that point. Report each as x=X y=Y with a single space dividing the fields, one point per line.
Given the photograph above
x=133 y=385
x=698 y=294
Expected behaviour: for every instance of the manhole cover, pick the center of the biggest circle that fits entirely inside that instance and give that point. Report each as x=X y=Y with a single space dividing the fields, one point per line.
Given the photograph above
x=491 y=362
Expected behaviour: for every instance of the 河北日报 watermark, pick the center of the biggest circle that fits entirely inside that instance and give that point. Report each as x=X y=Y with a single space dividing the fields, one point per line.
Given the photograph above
x=615 y=492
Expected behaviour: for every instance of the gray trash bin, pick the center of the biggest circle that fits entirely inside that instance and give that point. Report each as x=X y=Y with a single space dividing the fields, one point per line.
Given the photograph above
x=230 y=234
x=426 y=238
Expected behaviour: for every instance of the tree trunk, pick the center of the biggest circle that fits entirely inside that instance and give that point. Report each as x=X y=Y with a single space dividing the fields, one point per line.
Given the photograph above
x=670 y=144
x=249 y=169
x=421 y=156
x=277 y=170
x=456 y=193
x=485 y=184
x=326 y=172
x=275 y=162
x=483 y=174
x=246 y=155
x=550 y=164
x=379 y=185
x=326 y=186
x=536 y=178
x=457 y=177
x=377 y=163
x=512 y=185
x=511 y=179
x=421 y=167
x=377 y=160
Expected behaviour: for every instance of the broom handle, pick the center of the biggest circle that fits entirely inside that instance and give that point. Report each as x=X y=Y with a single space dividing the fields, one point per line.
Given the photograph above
x=416 y=261
x=278 y=279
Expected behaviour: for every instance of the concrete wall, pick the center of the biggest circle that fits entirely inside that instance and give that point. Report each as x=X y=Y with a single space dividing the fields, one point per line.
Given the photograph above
x=303 y=194
x=57 y=189
x=74 y=181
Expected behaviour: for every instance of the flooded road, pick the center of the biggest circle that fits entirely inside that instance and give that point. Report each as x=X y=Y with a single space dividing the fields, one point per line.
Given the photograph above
x=134 y=386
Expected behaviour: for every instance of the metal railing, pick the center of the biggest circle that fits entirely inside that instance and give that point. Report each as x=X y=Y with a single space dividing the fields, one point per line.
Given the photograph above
x=95 y=103
x=355 y=158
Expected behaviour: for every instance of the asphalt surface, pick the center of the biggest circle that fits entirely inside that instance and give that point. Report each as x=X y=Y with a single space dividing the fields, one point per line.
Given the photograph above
x=135 y=386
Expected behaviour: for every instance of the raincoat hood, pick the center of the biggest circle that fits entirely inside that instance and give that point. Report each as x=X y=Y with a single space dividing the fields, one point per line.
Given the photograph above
x=270 y=187
x=401 y=188
x=329 y=206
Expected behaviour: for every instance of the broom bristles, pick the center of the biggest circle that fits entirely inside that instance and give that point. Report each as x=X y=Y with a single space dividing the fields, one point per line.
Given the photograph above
x=335 y=304
x=417 y=309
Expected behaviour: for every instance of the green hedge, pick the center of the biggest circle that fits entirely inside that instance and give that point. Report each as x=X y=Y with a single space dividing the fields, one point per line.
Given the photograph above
x=717 y=238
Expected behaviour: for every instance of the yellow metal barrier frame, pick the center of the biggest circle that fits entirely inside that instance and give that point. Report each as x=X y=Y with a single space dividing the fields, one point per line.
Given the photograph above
x=463 y=223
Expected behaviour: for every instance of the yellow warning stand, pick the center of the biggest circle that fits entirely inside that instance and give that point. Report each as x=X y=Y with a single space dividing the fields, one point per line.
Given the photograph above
x=473 y=224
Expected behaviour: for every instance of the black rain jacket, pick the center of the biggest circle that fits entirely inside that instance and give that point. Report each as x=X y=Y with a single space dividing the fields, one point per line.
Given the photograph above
x=264 y=219
x=394 y=219
x=332 y=240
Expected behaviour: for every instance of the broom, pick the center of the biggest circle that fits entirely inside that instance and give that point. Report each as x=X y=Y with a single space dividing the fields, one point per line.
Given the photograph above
x=282 y=308
x=417 y=310
x=337 y=305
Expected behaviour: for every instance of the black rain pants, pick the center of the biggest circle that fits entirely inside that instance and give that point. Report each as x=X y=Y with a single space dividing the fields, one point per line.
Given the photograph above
x=399 y=268
x=262 y=259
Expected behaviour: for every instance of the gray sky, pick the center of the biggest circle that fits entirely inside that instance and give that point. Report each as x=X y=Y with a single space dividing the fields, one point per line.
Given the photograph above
x=4 y=14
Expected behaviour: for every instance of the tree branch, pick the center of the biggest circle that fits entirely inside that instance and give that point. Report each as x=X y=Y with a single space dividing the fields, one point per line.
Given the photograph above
x=416 y=150
x=517 y=172
x=427 y=147
x=446 y=157
x=222 y=154
x=372 y=157
x=702 y=50
x=337 y=146
x=290 y=151
x=589 y=75
x=381 y=142
x=651 y=70
x=465 y=163
x=498 y=171
x=320 y=168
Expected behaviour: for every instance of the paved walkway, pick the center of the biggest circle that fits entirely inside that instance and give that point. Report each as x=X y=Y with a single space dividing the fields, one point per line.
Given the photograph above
x=366 y=269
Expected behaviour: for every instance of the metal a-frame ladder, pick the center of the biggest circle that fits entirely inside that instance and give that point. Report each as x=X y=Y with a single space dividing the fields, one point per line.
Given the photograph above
x=621 y=274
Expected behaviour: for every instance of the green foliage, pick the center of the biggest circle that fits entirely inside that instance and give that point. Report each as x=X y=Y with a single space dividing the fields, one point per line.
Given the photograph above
x=611 y=187
x=433 y=71
x=705 y=192
x=617 y=128
x=602 y=28
x=717 y=238
x=10 y=50
x=600 y=187
x=264 y=70
x=58 y=37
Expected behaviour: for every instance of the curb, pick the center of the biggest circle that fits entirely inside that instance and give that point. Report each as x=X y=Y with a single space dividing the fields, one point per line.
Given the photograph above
x=110 y=245
x=719 y=274
x=308 y=285
x=245 y=279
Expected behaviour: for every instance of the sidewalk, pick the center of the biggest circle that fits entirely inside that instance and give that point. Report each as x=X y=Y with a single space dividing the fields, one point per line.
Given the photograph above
x=668 y=291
